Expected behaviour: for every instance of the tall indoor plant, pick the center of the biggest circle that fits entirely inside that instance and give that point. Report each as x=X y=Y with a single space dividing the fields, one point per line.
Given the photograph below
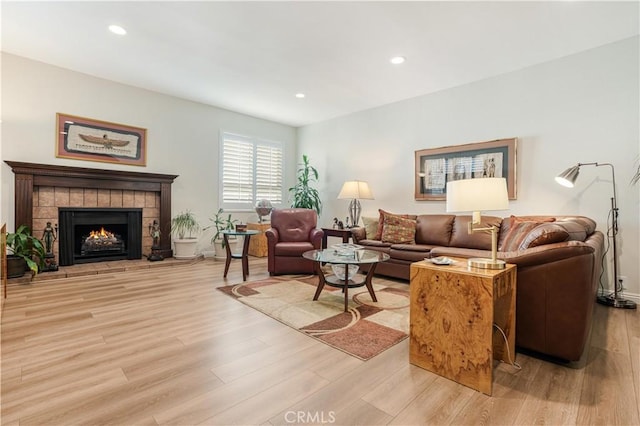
x=26 y=252
x=185 y=229
x=302 y=194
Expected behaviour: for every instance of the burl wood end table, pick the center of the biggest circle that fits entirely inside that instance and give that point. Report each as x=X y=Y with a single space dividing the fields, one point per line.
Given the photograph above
x=452 y=313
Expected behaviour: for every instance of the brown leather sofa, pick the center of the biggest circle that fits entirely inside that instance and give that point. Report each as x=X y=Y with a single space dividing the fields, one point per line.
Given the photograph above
x=292 y=232
x=556 y=281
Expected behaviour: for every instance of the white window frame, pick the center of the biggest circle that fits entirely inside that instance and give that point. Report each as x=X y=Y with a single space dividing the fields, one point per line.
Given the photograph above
x=256 y=142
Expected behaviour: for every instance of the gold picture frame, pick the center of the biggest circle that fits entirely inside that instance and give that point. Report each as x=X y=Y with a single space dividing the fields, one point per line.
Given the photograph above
x=437 y=166
x=83 y=138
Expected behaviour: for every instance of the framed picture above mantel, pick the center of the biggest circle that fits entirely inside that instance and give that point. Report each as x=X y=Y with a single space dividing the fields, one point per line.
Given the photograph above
x=82 y=138
x=437 y=166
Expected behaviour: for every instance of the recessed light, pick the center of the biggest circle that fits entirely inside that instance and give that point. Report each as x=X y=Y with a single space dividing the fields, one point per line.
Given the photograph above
x=117 y=29
x=299 y=95
x=397 y=60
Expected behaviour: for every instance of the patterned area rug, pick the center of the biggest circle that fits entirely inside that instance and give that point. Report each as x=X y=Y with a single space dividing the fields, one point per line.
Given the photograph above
x=367 y=329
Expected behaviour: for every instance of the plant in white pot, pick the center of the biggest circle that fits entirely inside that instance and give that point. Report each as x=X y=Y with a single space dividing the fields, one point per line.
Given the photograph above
x=185 y=229
x=222 y=223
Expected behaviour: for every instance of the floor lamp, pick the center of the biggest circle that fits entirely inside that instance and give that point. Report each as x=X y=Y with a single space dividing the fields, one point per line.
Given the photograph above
x=568 y=179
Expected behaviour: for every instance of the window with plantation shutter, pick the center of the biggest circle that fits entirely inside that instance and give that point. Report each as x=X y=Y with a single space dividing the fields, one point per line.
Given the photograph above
x=251 y=169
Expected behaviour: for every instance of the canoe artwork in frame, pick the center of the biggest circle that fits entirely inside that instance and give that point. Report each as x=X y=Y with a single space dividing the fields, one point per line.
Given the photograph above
x=435 y=167
x=82 y=138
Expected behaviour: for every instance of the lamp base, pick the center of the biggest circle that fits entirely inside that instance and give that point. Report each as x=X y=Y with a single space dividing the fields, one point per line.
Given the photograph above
x=616 y=302
x=482 y=263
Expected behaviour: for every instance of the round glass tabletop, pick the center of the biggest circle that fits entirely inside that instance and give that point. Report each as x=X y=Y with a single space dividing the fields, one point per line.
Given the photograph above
x=247 y=232
x=350 y=257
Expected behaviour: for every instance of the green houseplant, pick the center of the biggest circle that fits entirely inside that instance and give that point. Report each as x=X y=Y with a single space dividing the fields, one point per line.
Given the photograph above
x=185 y=228
x=302 y=194
x=221 y=223
x=24 y=248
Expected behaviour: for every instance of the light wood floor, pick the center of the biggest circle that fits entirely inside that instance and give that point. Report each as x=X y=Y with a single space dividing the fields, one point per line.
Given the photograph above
x=162 y=346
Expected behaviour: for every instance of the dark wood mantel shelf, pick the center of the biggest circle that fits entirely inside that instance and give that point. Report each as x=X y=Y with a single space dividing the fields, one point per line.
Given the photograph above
x=28 y=175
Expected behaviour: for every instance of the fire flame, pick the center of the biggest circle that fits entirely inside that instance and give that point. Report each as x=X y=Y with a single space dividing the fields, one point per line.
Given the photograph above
x=100 y=234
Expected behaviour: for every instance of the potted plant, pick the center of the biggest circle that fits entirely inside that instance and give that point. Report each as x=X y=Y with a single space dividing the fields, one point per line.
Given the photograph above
x=222 y=223
x=186 y=228
x=303 y=195
x=24 y=248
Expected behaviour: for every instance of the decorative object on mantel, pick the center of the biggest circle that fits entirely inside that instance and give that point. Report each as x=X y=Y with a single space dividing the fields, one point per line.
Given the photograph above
x=434 y=168
x=154 y=233
x=568 y=179
x=49 y=236
x=82 y=138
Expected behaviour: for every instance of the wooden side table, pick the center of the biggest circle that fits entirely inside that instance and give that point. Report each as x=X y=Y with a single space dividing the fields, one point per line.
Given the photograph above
x=452 y=313
x=345 y=234
x=258 y=244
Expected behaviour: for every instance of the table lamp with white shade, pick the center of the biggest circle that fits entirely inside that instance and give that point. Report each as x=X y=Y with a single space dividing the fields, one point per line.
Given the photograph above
x=476 y=195
x=355 y=190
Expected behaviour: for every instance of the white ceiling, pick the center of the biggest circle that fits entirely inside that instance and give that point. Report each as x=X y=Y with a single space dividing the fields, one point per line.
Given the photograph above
x=253 y=57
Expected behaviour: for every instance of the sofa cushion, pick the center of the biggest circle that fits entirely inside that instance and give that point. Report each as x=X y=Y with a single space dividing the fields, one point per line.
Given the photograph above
x=383 y=214
x=370 y=225
x=408 y=255
x=518 y=237
x=545 y=233
x=434 y=229
x=373 y=243
x=398 y=230
x=578 y=230
x=460 y=236
x=506 y=224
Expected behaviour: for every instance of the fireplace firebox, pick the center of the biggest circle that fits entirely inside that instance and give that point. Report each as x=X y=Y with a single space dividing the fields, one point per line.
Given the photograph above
x=99 y=234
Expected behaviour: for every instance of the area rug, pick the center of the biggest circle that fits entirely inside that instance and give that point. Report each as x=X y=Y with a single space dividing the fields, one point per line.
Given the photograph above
x=367 y=329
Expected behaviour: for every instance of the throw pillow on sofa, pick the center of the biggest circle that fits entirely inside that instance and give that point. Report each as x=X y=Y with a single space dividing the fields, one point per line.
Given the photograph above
x=384 y=214
x=398 y=230
x=370 y=225
x=525 y=233
x=546 y=233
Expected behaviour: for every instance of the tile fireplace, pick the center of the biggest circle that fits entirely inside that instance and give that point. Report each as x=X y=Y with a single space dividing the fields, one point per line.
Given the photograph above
x=44 y=192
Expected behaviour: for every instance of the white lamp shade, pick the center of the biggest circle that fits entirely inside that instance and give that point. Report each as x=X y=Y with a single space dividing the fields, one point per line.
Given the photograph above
x=355 y=189
x=480 y=194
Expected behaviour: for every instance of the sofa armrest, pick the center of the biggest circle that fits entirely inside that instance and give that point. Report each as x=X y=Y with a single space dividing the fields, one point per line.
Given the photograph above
x=358 y=234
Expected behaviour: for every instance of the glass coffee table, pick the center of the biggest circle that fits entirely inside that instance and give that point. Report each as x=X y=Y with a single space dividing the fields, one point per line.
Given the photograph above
x=348 y=260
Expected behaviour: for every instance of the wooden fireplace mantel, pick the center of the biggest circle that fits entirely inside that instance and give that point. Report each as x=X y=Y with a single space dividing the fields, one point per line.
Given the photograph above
x=29 y=175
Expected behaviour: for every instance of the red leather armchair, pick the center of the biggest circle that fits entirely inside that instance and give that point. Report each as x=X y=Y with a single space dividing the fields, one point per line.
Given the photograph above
x=292 y=232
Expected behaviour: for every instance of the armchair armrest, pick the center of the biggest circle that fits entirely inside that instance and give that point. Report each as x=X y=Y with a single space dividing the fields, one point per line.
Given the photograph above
x=315 y=236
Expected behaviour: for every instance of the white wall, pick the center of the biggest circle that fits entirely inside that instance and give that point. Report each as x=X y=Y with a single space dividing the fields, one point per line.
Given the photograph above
x=580 y=108
x=182 y=136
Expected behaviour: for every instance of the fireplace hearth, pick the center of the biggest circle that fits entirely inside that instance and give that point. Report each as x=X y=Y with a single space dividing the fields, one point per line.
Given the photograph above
x=99 y=234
